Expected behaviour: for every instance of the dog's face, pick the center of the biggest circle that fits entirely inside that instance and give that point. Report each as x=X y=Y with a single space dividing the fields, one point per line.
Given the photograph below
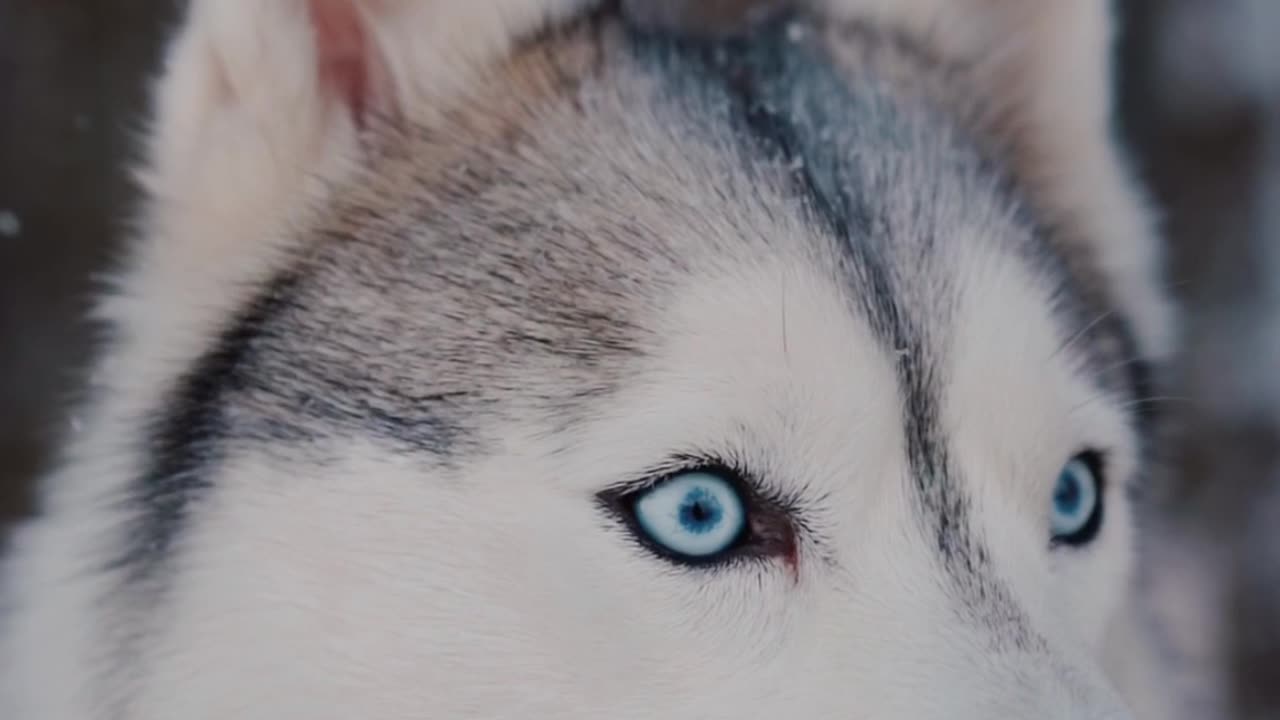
x=701 y=380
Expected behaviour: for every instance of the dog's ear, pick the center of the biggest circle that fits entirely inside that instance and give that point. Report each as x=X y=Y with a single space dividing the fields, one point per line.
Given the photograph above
x=1046 y=63
x=1045 y=72
x=256 y=94
x=263 y=107
x=253 y=94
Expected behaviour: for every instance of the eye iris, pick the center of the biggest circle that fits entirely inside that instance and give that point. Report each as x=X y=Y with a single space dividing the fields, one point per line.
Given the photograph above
x=1067 y=496
x=1077 y=502
x=700 y=512
x=693 y=515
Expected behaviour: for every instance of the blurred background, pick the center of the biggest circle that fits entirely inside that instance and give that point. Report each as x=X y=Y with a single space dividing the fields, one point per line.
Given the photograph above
x=1199 y=95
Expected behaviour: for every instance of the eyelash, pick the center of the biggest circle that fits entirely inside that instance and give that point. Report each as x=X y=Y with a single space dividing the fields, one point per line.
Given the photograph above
x=771 y=530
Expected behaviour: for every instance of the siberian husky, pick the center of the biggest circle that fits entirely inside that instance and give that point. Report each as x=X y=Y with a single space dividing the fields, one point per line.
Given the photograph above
x=561 y=359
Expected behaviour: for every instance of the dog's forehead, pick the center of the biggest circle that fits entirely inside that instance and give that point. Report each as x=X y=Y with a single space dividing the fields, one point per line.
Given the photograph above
x=520 y=257
x=544 y=230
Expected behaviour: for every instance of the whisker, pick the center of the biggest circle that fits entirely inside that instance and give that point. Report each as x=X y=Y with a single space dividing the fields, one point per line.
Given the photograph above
x=786 y=351
x=1155 y=400
x=1137 y=402
x=1071 y=342
x=1121 y=365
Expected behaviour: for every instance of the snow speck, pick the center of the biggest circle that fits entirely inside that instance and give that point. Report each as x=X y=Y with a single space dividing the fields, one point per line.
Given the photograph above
x=82 y=122
x=10 y=224
x=795 y=32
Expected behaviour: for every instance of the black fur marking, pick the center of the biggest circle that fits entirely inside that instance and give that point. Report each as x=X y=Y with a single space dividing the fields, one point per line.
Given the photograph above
x=786 y=100
x=285 y=389
x=184 y=442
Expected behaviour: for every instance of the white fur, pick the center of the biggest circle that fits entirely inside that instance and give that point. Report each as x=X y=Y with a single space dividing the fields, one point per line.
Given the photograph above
x=317 y=600
x=510 y=598
x=244 y=143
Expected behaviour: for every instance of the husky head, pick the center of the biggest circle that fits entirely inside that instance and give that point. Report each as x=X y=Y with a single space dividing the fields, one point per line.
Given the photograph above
x=498 y=360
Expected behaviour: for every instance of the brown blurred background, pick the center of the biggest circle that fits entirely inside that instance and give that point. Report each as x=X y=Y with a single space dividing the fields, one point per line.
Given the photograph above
x=1199 y=96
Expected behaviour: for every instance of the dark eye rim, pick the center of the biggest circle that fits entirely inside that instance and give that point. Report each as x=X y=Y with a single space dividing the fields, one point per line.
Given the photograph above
x=1095 y=460
x=768 y=531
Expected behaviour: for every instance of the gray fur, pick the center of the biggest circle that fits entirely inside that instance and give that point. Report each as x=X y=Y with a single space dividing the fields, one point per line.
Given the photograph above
x=482 y=266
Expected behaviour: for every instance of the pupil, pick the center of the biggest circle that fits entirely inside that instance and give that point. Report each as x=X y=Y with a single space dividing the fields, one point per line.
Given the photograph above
x=1068 y=495
x=699 y=512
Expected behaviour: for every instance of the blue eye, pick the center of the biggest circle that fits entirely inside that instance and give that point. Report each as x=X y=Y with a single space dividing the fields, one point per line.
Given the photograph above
x=694 y=515
x=1076 y=514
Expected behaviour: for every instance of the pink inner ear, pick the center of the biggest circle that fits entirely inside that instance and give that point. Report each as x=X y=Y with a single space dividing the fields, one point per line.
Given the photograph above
x=344 y=53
